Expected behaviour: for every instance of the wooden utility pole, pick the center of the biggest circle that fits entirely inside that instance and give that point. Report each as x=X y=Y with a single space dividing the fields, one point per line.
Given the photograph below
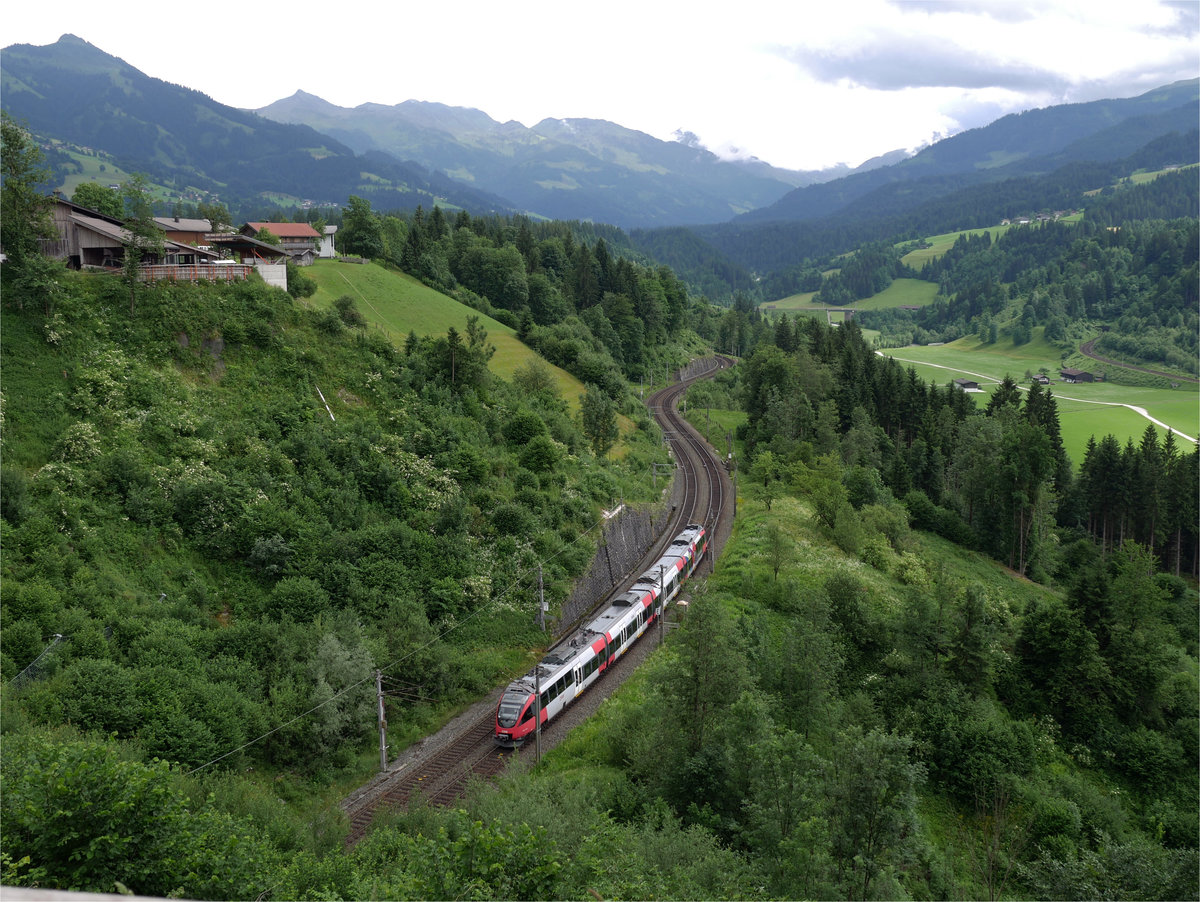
x=541 y=601
x=382 y=722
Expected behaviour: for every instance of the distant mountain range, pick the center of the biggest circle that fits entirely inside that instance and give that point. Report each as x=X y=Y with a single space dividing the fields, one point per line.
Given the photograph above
x=396 y=156
x=1034 y=142
x=304 y=148
x=561 y=168
x=73 y=92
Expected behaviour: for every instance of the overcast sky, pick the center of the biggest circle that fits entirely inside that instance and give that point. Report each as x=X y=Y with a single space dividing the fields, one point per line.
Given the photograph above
x=801 y=85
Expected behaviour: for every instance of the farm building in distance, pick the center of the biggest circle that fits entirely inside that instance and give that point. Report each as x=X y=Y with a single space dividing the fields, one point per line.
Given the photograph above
x=968 y=385
x=1072 y=375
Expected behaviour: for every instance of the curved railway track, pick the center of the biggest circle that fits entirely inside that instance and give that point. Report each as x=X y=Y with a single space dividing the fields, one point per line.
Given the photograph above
x=440 y=769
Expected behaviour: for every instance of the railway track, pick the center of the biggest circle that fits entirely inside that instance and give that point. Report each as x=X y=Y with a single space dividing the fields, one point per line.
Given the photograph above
x=441 y=773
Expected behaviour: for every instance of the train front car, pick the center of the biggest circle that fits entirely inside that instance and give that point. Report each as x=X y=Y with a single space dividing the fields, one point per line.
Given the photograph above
x=561 y=675
x=514 y=714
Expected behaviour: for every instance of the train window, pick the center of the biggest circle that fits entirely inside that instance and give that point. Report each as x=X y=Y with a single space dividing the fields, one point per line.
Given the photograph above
x=528 y=714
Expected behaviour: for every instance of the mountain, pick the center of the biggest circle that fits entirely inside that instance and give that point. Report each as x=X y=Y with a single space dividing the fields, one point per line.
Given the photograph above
x=1034 y=142
x=74 y=92
x=562 y=168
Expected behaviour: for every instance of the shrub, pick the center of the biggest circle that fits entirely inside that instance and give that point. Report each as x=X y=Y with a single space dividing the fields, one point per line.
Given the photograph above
x=349 y=313
x=540 y=455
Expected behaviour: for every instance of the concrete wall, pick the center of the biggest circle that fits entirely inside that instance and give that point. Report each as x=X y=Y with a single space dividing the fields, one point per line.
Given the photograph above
x=273 y=273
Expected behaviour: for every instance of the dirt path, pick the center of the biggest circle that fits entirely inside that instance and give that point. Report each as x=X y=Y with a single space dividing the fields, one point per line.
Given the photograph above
x=1086 y=350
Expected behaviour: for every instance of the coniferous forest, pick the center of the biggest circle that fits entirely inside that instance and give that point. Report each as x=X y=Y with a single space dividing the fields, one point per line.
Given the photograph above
x=938 y=658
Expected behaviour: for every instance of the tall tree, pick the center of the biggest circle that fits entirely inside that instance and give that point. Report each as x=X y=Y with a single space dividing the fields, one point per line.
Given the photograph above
x=599 y=419
x=362 y=233
x=100 y=198
x=143 y=239
x=24 y=207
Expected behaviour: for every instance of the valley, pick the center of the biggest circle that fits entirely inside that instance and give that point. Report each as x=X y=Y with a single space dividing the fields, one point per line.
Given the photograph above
x=256 y=536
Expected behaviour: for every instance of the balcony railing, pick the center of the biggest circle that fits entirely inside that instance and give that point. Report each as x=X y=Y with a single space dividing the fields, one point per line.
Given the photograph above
x=196 y=272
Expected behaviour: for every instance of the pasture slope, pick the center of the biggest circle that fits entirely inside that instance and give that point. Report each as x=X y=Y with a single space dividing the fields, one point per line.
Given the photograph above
x=395 y=303
x=902 y=292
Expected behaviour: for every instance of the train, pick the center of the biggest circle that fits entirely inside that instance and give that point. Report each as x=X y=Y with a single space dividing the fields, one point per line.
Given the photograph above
x=567 y=671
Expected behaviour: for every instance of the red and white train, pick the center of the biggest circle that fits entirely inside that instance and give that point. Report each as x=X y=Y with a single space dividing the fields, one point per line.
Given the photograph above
x=568 y=670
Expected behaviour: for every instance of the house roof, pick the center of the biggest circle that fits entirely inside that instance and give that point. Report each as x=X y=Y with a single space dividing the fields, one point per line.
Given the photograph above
x=285 y=229
x=120 y=235
x=100 y=226
x=235 y=239
x=1068 y=371
x=178 y=224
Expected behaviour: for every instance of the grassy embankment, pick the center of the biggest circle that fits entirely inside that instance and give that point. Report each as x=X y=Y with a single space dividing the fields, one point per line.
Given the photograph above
x=396 y=304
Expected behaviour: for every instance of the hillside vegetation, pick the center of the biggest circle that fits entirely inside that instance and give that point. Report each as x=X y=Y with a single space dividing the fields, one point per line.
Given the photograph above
x=397 y=304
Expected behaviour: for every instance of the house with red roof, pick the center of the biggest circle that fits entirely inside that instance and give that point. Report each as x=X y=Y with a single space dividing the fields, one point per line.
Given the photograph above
x=299 y=239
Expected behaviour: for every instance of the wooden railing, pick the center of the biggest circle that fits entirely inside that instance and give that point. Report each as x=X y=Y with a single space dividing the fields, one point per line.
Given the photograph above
x=195 y=272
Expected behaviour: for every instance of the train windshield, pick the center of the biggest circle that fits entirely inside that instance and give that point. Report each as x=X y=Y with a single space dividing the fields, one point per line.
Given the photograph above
x=510 y=707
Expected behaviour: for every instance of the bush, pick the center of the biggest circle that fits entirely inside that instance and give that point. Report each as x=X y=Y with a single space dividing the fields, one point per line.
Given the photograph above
x=348 y=311
x=540 y=455
x=118 y=826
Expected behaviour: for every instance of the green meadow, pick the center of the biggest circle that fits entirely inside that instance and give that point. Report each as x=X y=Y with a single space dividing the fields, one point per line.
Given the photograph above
x=1140 y=178
x=939 y=244
x=1085 y=409
x=396 y=304
x=901 y=293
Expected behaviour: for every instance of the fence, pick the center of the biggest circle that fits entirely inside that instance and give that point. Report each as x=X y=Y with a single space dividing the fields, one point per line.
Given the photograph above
x=195 y=272
x=624 y=541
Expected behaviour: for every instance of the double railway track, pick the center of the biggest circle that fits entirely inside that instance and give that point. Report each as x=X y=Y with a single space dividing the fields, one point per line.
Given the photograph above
x=441 y=773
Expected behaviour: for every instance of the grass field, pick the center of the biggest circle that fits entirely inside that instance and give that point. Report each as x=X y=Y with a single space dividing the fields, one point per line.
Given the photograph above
x=939 y=244
x=396 y=304
x=1140 y=178
x=1084 y=410
x=902 y=292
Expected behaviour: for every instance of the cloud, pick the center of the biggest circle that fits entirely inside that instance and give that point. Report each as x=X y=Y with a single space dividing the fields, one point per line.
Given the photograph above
x=1000 y=10
x=887 y=64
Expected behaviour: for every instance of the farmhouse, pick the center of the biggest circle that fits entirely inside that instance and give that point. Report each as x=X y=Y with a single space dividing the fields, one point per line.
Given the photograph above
x=1072 y=375
x=1041 y=379
x=968 y=385
x=298 y=239
x=188 y=231
x=90 y=239
x=327 y=251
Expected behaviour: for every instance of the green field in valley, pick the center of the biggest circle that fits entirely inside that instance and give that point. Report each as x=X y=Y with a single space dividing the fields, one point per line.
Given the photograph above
x=396 y=304
x=902 y=292
x=939 y=244
x=1084 y=409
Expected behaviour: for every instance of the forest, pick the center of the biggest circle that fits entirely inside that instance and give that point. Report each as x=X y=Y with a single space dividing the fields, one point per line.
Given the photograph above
x=937 y=659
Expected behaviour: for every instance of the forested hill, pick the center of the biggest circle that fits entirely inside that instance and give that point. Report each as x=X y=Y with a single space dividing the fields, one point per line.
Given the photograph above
x=720 y=257
x=1020 y=144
